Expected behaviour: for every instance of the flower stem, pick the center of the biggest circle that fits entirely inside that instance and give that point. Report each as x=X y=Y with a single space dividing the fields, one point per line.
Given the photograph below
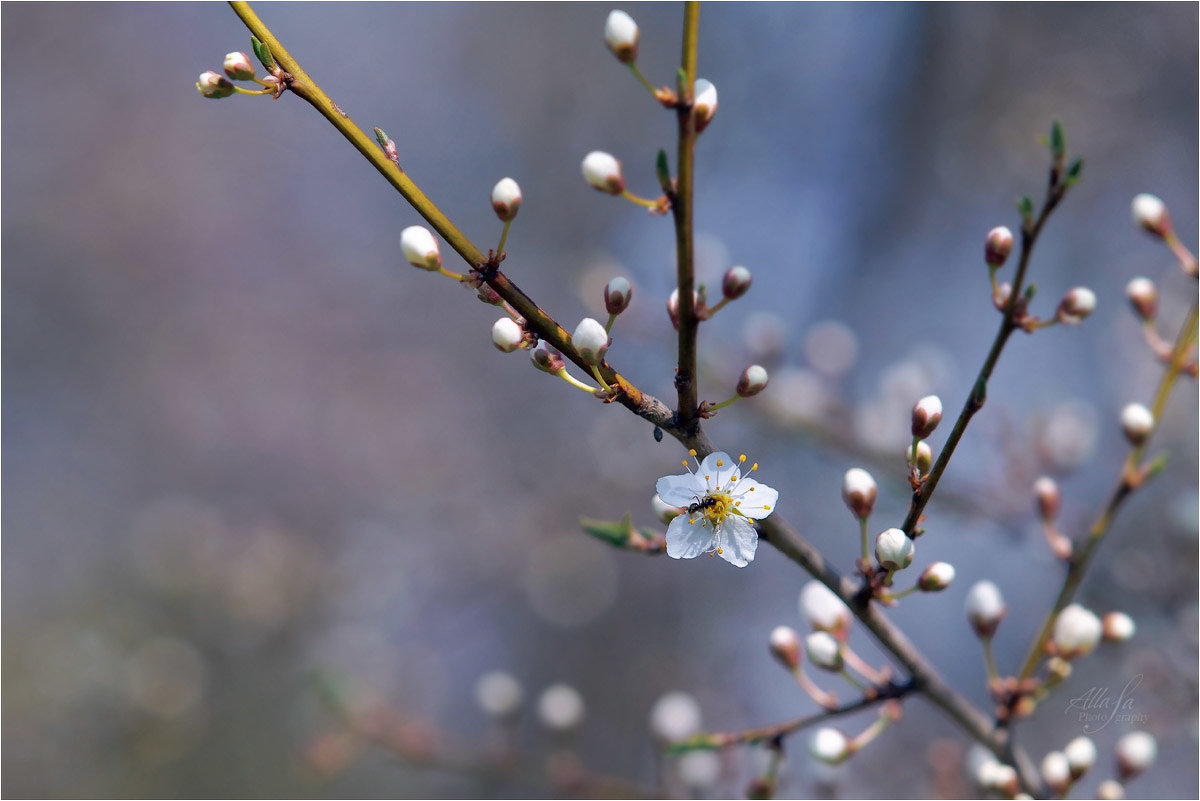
x=640 y=201
x=638 y=73
x=503 y=237
x=866 y=549
x=575 y=382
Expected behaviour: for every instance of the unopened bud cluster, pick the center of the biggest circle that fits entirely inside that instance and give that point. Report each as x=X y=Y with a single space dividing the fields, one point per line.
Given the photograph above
x=237 y=67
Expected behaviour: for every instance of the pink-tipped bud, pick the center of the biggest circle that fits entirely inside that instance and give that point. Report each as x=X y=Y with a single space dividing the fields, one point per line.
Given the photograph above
x=736 y=282
x=997 y=245
x=894 y=550
x=621 y=35
x=1143 y=295
x=985 y=608
x=823 y=651
x=1081 y=755
x=704 y=107
x=785 y=646
x=1045 y=492
x=1136 y=752
x=926 y=414
x=924 y=456
x=591 y=340
x=1076 y=632
x=859 y=492
x=617 y=294
x=1118 y=627
x=673 y=306
x=1137 y=422
x=420 y=248
x=830 y=746
x=506 y=199
x=239 y=67
x=214 y=85
x=664 y=511
x=936 y=577
x=752 y=381
x=1151 y=213
x=1077 y=304
x=603 y=172
x=545 y=357
x=507 y=336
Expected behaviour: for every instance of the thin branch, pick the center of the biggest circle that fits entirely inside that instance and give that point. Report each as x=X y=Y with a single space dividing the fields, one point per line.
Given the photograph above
x=681 y=208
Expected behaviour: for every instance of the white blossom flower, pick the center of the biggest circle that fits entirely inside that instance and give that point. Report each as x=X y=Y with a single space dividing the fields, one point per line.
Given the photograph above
x=719 y=503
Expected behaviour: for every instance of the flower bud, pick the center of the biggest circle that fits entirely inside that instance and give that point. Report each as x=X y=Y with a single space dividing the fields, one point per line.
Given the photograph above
x=1137 y=422
x=1076 y=632
x=859 y=492
x=1075 y=305
x=704 y=107
x=1110 y=790
x=829 y=745
x=894 y=550
x=591 y=340
x=924 y=456
x=560 y=707
x=506 y=199
x=213 y=85
x=673 y=305
x=498 y=694
x=617 y=294
x=1136 y=752
x=663 y=510
x=823 y=651
x=995 y=775
x=1118 y=627
x=621 y=36
x=239 y=67
x=752 y=381
x=985 y=608
x=420 y=248
x=926 y=414
x=1081 y=755
x=1048 y=498
x=1151 y=213
x=507 y=336
x=546 y=357
x=997 y=245
x=1056 y=771
x=823 y=609
x=675 y=716
x=736 y=282
x=603 y=172
x=1143 y=295
x=1001 y=296
x=699 y=770
x=936 y=577
x=785 y=646
x=488 y=295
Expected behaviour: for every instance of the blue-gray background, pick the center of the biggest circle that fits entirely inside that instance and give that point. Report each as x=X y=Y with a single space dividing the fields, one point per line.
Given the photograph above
x=245 y=443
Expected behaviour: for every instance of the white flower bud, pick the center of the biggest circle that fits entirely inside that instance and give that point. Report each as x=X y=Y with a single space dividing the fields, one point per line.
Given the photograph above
x=560 y=707
x=823 y=609
x=621 y=35
x=1076 y=632
x=1151 y=213
x=1143 y=296
x=1118 y=627
x=663 y=510
x=997 y=245
x=239 y=67
x=936 y=577
x=1056 y=771
x=736 y=282
x=859 y=492
x=1081 y=755
x=545 y=357
x=603 y=172
x=924 y=456
x=704 y=107
x=699 y=770
x=1077 y=304
x=1136 y=752
x=617 y=294
x=785 y=645
x=753 y=381
x=1137 y=422
x=420 y=248
x=1001 y=296
x=926 y=414
x=498 y=694
x=675 y=716
x=214 y=85
x=506 y=199
x=591 y=340
x=1045 y=492
x=894 y=550
x=985 y=608
x=1110 y=790
x=829 y=745
x=823 y=651
x=507 y=336
x=995 y=775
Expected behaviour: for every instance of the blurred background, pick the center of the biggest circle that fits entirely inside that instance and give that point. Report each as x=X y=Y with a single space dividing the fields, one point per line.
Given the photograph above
x=269 y=491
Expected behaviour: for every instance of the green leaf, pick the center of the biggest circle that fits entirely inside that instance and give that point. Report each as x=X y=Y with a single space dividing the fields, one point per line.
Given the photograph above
x=663 y=169
x=616 y=533
x=263 y=52
x=1074 y=171
x=1058 y=141
x=381 y=137
x=1030 y=291
x=1025 y=207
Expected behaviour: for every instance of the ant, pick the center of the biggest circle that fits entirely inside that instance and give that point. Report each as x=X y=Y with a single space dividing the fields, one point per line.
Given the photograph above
x=700 y=505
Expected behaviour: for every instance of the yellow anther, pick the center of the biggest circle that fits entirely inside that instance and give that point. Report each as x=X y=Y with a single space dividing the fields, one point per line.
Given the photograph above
x=720 y=462
x=692 y=451
x=742 y=458
x=719 y=550
x=683 y=462
x=766 y=507
x=754 y=467
x=706 y=478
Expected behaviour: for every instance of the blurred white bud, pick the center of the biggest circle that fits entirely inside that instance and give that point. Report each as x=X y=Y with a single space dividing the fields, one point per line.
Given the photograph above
x=859 y=492
x=560 y=707
x=785 y=645
x=239 y=67
x=997 y=245
x=1137 y=422
x=546 y=357
x=985 y=608
x=420 y=248
x=1076 y=632
x=498 y=694
x=829 y=745
x=506 y=199
x=924 y=456
x=926 y=414
x=591 y=340
x=752 y=381
x=663 y=510
x=823 y=609
x=603 y=172
x=617 y=294
x=1056 y=771
x=675 y=716
x=1110 y=790
x=995 y=775
x=894 y=550
x=699 y=770
x=214 y=85
x=705 y=105
x=1045 y=492
x=621 y=35
x=1143 y=296
x=736 y=282
x=936 y=577
x=1077 y=304
x=673 y=305
x=823 y=651
x=1118 y=627
x=1151 y=213
x=507 y=336
x=1081 y=755
x=1136 y=752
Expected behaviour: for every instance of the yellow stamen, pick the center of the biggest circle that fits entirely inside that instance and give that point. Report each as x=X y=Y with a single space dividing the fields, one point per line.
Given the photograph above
x=720 y=462
x=692 y=452
x=742 y=458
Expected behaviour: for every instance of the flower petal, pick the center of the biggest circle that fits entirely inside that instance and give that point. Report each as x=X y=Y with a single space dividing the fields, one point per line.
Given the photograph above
x=718 y=474
x=755 y=500
x=739 y=541
x=687 y=540
x=680 y=490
